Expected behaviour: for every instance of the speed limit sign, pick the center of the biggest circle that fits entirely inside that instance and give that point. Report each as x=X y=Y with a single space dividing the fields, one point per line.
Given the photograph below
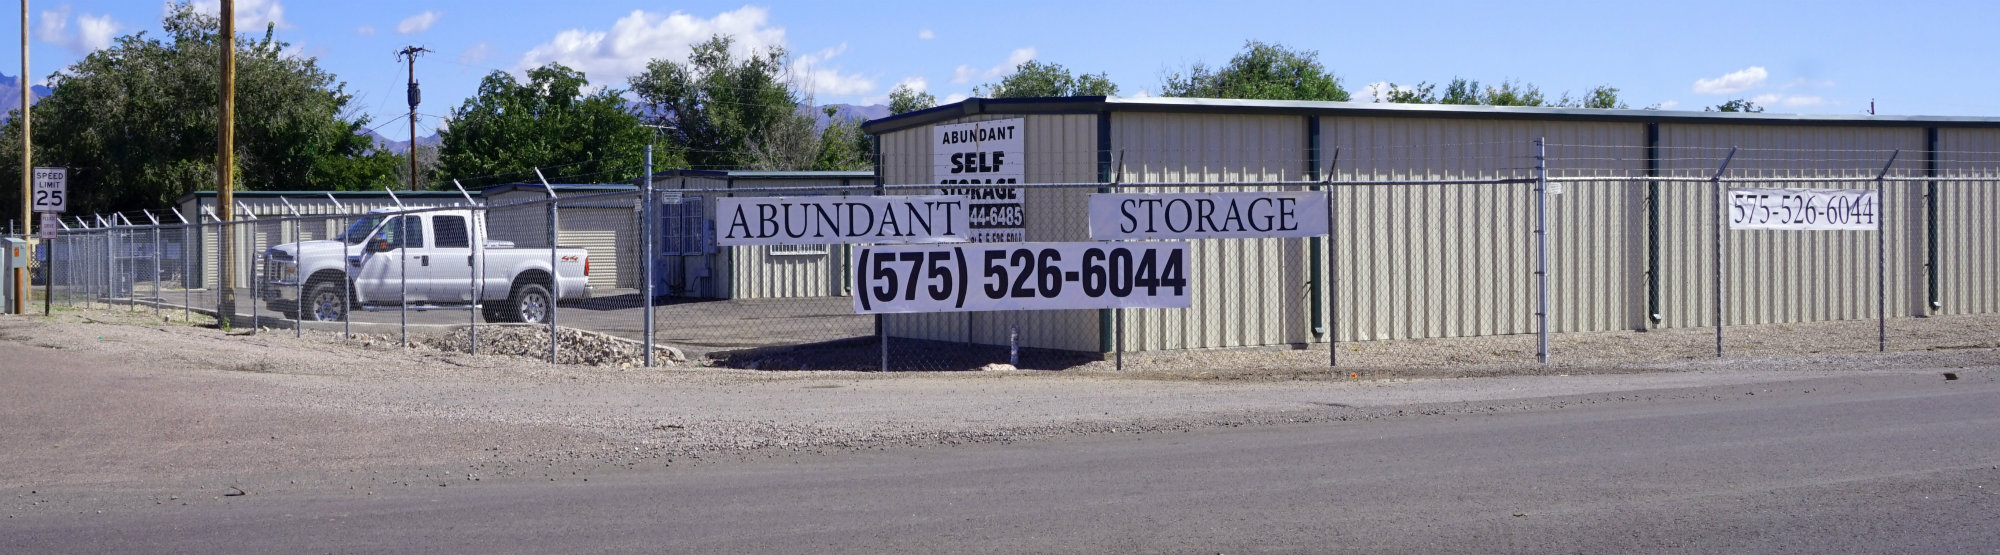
x=51 y=189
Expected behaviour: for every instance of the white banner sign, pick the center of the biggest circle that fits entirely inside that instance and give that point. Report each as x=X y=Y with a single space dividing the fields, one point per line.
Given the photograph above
x=1207 y=215
x=984 y=153
x=51 y=189
x=1805 y=209
x=1020 y=276
x=824 y=220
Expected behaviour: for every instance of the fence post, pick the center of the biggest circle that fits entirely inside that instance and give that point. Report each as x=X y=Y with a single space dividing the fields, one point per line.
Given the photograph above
x=646 y=215
x=478 y=262
x=1719 y=223
x=1332 y=270
x=555 y=281
x=187 y=269
x=159 y=298
x=1542 y=249
x=1882 y=256
x=403 y=277
x=347 y=285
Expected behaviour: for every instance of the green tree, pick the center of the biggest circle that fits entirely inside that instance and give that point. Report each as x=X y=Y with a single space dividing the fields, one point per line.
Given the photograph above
x=1421 y=93
x=1034 y=79
x=509 y=128
x=1512 y=93
x=1604 y=97
x=1735 y=105
x=136 y=122
x=1261 y=71
x=717 y=105
x=904 y=100
x=1460 y=91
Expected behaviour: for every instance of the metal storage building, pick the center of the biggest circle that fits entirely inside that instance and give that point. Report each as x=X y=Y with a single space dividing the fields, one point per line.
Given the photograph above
x=199 y=207
x=1418 y=260
x=691 y=265
x=605 y=226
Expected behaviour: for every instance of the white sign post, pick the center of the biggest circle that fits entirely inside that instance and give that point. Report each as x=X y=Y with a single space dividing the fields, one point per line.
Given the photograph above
x=984 y=153
x=51 y=189
x=1207 y=215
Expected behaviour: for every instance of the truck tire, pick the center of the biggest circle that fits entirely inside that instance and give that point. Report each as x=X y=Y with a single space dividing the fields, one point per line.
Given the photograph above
x=324 y=302
x=530 y=303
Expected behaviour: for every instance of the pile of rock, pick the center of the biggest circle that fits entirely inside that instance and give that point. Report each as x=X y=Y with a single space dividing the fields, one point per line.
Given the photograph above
x=577 y=346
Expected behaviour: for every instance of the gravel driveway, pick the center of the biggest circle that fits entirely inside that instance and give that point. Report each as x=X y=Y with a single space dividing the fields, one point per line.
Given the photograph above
x=114 y=407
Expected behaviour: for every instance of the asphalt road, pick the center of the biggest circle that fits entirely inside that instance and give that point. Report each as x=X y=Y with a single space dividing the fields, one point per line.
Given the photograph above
x=1904 y=462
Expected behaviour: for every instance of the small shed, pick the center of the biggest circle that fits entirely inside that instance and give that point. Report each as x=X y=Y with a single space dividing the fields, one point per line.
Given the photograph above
x=602 y=219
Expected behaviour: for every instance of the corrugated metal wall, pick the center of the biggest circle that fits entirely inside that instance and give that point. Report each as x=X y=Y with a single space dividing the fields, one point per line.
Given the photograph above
x=1968 y=240
x=1246 y=291
x=1784 y=276
x=276 y=233
x=1416 y=261
x=1059 y=149
x=758 y=272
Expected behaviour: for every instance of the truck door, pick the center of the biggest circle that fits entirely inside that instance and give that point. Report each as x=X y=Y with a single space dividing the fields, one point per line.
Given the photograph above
x=380 y=280
x=447 y=268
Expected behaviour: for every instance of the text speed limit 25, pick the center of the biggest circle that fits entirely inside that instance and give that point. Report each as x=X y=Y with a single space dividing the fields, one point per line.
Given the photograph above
x=1020 y=276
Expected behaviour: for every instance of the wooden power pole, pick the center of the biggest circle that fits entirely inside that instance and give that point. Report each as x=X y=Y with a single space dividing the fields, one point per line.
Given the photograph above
x=225 y=164
x=27 y=161
x=410 y=53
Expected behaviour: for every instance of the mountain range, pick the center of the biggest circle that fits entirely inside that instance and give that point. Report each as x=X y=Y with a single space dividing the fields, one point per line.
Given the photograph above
x=10 y=93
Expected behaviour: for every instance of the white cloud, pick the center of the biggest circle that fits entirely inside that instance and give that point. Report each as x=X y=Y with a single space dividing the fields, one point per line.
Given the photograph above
x=918 y=84
x=953 y=97
x=1379 y=91
x=92 y=32
x=251 y=15
x=965 y=74
x=926 y=34
x=1734 y=82
x=365 y=30
x=418 y=23
x=817 y=80
x=1804 y=101
x=1670 y=104
x=611 y=56
x=476 y=54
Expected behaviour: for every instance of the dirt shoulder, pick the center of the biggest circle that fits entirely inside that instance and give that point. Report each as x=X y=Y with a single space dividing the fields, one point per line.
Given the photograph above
x=121 y=409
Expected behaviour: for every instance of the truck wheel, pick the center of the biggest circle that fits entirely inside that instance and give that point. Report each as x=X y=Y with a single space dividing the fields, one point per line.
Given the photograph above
x=324 y=302
x=531 y=304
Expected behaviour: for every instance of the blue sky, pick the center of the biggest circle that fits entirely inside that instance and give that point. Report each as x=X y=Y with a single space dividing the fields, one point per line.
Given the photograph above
x=1920 y=58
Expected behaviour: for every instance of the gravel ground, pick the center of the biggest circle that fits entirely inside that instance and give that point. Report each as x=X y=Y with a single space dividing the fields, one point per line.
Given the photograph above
x=172 y=412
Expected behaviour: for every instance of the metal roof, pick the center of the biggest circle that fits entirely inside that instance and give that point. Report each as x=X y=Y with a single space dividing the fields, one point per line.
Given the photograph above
x=768 y=174
x=1100 y=104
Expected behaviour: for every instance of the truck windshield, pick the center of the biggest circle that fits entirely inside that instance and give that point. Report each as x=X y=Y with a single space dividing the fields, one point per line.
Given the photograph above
x=360 y=229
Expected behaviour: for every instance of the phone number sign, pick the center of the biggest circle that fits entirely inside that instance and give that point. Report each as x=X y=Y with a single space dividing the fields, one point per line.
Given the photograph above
x=1805 y=209
x=1020 y=276
x=51 y=189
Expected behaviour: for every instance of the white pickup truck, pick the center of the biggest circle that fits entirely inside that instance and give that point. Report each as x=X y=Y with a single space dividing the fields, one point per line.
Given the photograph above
x=363 y=269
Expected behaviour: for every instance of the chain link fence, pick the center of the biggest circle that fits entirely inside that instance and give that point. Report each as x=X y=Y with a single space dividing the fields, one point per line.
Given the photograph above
x=1551 y=253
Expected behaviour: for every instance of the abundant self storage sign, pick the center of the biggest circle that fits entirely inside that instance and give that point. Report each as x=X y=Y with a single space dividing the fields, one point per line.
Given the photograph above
x=983 y=153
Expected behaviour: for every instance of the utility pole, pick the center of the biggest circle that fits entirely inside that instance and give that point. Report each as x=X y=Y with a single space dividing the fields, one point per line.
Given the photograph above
x=27 y=165
x=225 y=165
x=410 y=53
